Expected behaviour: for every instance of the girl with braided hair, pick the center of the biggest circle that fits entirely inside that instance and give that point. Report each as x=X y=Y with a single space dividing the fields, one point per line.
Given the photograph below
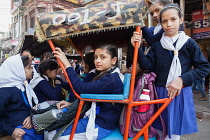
x=45 y=83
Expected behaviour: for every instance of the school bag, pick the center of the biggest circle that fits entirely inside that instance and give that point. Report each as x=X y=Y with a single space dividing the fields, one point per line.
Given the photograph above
x=47 y=122
x=138 y=118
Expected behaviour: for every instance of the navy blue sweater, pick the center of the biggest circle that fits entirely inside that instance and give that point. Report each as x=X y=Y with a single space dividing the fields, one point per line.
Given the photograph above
x=150 y=39
x=149 y=36
x=13 y=110
x=109 y=113
x=159 y=61
x=44 y=91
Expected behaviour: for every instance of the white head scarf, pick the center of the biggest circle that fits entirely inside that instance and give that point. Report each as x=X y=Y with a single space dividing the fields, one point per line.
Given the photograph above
x=12 y=74
x=175 y=69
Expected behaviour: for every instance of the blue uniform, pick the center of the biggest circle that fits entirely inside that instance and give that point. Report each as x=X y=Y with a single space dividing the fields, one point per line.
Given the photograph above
x=13 y=111
x=159 y=61
x=109 y=113
x=44 y=91
x=150 y=39
x=180 y=114
x=149 y=35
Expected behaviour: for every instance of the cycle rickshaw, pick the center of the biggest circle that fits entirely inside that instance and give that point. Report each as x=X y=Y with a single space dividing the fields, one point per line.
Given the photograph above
x=87 y=26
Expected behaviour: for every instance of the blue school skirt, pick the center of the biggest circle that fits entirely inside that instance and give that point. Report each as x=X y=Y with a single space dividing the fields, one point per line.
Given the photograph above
x=179 y=116
x=80 y=131
x=30 y=134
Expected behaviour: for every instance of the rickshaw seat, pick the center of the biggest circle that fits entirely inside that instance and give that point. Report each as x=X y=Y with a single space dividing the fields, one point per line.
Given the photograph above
x=126 y=88
x=116 y=135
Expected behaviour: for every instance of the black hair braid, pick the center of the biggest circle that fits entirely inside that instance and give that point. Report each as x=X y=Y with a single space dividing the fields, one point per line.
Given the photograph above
x=98 y=76
x=45 y=65
x=41 y=72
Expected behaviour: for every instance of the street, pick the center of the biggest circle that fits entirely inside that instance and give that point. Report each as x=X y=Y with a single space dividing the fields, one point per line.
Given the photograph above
x=204 y=131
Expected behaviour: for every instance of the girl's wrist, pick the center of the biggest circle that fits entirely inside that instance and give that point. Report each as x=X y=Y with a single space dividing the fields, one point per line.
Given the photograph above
x=67 y=65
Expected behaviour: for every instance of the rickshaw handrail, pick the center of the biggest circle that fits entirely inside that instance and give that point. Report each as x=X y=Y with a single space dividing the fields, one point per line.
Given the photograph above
x=130 y=103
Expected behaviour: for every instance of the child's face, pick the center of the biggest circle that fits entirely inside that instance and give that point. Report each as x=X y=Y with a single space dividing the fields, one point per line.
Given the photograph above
x=171 y=22
x=28 y=71
x=155 y=11
x=103 y=60
x=52 y=73
x=25 y=53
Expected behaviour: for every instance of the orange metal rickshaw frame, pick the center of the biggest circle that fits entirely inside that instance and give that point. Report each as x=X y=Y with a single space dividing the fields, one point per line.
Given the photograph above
x=128 y=101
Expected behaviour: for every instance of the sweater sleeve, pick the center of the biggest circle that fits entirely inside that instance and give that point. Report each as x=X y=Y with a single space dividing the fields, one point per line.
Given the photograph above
x=50 y=92
x=150 y=37
x=96 y=87
x=199 y=62
x=146 y=62
x=64 y=85
x=5 y=128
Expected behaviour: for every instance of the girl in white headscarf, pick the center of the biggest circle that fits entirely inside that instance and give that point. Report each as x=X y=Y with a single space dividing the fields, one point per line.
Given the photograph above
x=16 y=98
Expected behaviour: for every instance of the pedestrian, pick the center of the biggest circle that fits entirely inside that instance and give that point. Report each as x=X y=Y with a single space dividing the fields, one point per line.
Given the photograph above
x=172 y=59
x=46 y=84
x=199 y=87
x=17 y=98
x=105 y=119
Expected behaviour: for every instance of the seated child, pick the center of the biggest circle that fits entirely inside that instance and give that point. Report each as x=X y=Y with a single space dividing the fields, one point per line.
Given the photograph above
x=16 y=98
x=108 y=75
x=45 y=83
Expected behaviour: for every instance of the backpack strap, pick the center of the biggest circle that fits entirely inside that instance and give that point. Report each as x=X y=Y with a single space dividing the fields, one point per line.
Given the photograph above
x=61 y=130
x=161 y=118
x=141 y=87
x=45 y=135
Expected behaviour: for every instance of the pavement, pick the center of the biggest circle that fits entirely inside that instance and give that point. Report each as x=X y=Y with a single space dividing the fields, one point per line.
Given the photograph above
x=202 y=107
x=203 y=131
x=203 y=119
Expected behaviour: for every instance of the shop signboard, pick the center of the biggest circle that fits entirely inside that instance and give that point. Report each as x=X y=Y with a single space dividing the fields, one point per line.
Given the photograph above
x=6 y=55
x=201 y=28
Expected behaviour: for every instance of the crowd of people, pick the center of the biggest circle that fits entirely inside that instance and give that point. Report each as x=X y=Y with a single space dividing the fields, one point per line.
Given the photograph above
x=174 y=57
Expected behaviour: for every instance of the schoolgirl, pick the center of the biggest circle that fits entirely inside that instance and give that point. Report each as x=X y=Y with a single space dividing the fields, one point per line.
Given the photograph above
x=16 y=98
x=45 y=83
x=105 y=120
x=89 y=71
x=172 y=59
x=89 y=66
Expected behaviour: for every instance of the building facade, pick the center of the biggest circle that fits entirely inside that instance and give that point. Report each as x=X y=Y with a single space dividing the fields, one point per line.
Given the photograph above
x=24 y=13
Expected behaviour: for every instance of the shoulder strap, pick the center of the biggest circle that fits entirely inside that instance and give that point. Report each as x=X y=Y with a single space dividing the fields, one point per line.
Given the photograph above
x=61 y=130
x=161 y=118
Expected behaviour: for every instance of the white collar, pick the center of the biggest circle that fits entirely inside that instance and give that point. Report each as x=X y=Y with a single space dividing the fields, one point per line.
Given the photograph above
x=157 y=28
x=117 y=70
x=172 y=39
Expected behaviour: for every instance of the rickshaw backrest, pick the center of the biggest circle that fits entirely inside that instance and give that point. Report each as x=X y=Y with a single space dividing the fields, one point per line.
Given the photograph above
x=123 y=96
x=126 y=88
